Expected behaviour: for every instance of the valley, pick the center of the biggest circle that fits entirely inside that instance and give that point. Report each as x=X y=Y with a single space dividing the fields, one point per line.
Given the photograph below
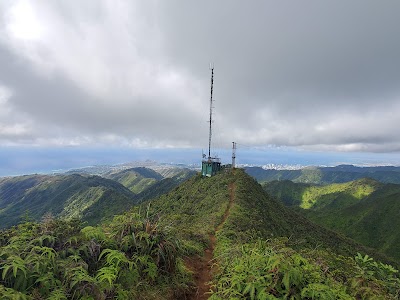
x=91 y=198
x=187 y=237
x=364 y=210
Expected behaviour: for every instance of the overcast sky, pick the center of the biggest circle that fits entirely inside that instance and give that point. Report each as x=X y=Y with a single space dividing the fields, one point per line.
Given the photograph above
x=317 y=75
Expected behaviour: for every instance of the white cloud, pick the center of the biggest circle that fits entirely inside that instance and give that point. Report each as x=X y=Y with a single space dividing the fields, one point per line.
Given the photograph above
x=23 y=22
x=136 y=73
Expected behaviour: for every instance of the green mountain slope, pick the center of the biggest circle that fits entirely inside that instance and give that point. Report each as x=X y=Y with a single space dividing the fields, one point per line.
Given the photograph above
x=365 y=210
x=318 y=196
x=147 y=183
x=373 y=221
x=194 y=207
x=91 y=198
x=168 y=172
x=13 y=188
x=258 y=211
x=327 y=175
x=201 y=202
x=259 y=249
x=135 y=179
x=165 y=185
x=70 y=196
x=254 y=230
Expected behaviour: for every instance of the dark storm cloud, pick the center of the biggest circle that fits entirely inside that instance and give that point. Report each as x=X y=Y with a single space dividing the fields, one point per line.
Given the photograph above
x=68 y=93
x=321 y=75
x=304 y=73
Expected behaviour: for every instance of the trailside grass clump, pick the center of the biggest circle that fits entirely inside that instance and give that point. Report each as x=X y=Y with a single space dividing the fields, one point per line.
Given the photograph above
x=271 y=269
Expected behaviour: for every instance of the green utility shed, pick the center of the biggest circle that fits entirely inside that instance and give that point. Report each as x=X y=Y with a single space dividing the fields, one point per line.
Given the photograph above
x=210 y=167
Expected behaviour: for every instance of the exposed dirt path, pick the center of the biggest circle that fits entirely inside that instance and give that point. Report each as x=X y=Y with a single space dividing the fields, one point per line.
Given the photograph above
x=202 y=267
x=232 y=189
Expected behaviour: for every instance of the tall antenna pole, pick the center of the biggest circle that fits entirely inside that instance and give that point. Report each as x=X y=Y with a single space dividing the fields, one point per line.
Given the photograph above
x=233 y=154
x=211 y=107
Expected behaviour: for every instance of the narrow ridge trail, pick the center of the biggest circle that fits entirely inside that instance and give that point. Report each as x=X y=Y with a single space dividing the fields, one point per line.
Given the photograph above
x=202 y=267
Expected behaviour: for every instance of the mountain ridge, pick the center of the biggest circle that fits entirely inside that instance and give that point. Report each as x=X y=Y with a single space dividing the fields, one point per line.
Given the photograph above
x=258 y=212
x=327 y=175
x=60 y=195
x=89 y=197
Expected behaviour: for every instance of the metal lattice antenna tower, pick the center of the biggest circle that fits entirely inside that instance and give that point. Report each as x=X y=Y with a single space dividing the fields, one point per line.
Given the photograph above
x=233 y=154
x=211 y=107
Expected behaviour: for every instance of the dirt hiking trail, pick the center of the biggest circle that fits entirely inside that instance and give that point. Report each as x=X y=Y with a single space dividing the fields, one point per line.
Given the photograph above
x=202 y=266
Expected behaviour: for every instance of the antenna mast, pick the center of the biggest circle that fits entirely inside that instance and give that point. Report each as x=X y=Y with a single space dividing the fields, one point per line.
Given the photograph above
x=233 y=154
x=211 y=165
x=211 y=107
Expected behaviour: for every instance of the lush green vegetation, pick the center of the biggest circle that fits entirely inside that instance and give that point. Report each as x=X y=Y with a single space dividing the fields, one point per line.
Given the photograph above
x=318 y=196
x=130 y=258
x=90 y=198
x=195 y=208
x=327 y=175
x=305 y=261
x=168 y=172
x=272 y=269
x=177 y=176
x=67 y=196
x=136 y=179
x=257 y=215
x=263 y=251
x=364 y=210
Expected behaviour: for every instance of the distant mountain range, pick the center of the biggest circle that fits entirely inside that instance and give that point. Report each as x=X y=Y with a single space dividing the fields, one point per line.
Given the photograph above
x=89 y=197
x=165 y=169
x=327 y=175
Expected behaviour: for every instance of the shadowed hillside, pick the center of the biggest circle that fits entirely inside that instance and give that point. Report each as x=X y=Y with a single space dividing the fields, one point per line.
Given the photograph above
x=365 y=210
x=68 y=196
x=317 y=196
x=90 y=198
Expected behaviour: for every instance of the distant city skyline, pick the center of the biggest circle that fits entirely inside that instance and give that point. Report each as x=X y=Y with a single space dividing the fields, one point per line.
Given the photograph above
x=27 y=160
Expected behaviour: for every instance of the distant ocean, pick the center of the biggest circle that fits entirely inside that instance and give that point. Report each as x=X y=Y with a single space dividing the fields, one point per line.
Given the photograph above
x=29 y=160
